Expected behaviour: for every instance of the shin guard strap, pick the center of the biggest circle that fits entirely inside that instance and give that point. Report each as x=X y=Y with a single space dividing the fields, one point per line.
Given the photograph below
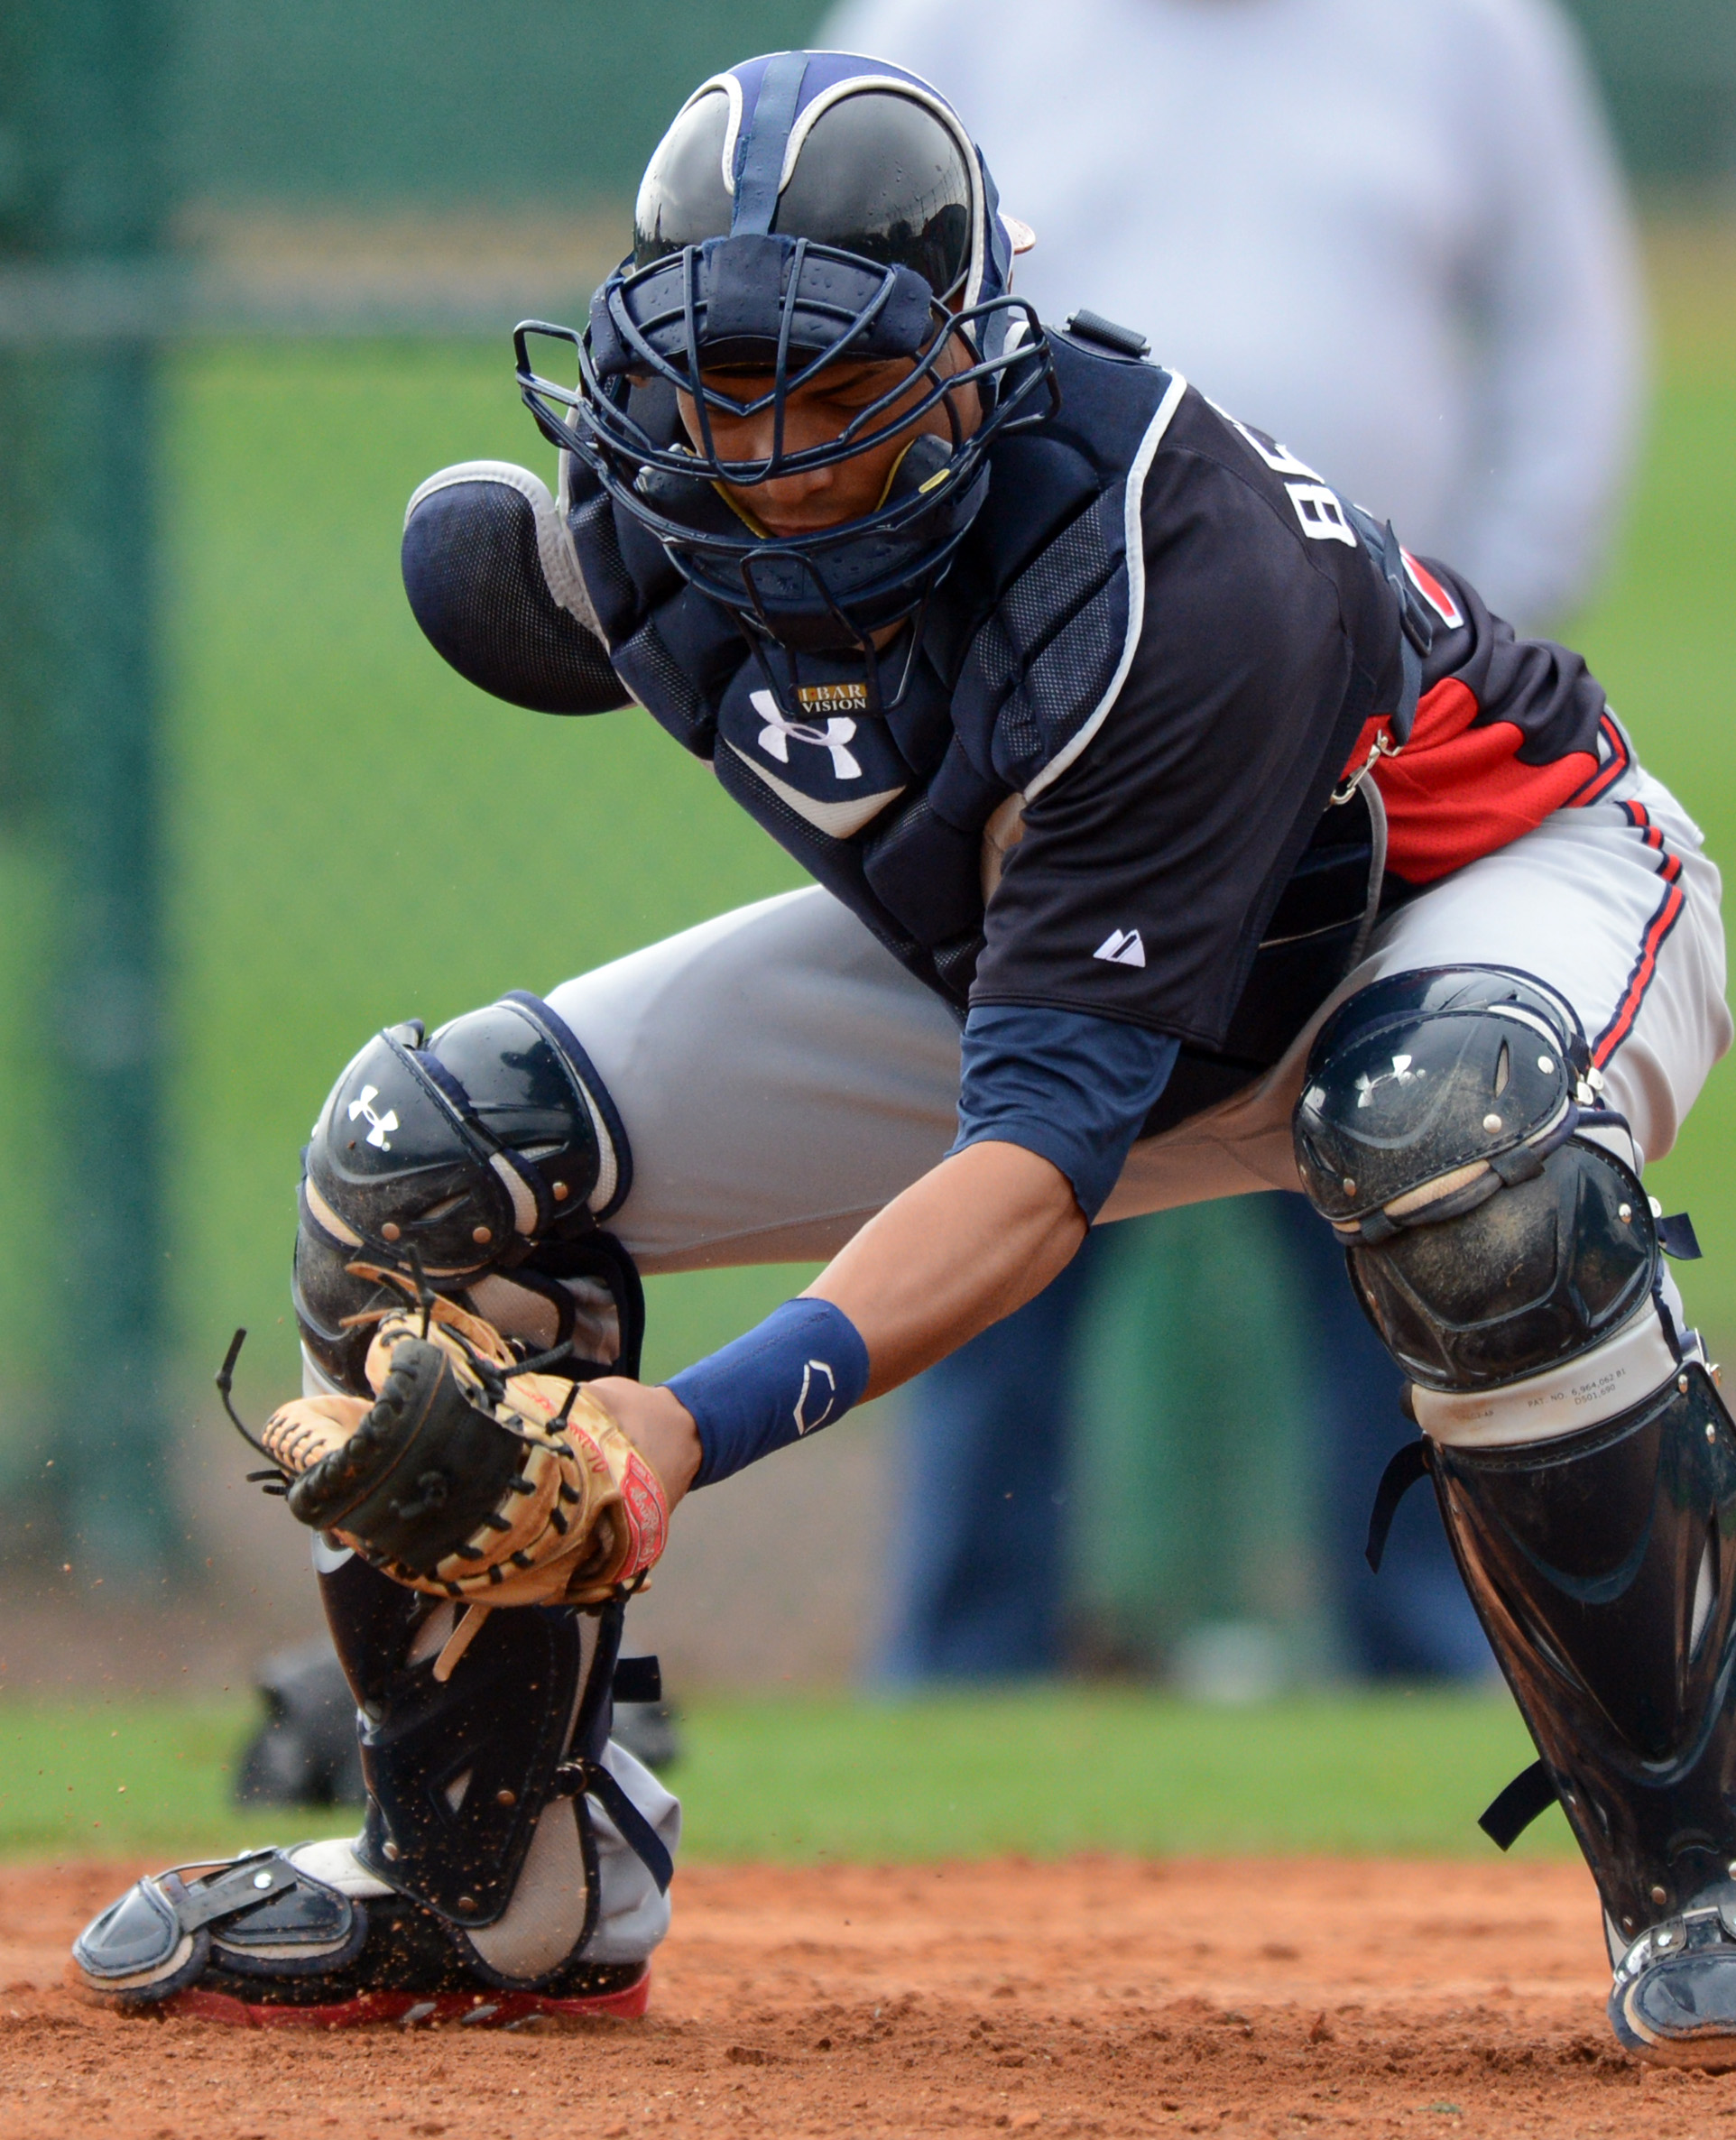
x=591 y=1779
x=1531 y=1795
x=1403 y=1468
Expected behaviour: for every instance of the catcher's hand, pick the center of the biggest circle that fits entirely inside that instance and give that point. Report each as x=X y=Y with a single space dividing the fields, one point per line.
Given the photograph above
x=468 y=1480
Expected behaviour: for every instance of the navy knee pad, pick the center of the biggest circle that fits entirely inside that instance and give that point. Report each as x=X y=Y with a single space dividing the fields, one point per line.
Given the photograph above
x=1440 y=1130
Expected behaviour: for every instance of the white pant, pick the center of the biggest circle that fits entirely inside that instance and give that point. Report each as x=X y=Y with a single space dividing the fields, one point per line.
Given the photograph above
x=781 y=1076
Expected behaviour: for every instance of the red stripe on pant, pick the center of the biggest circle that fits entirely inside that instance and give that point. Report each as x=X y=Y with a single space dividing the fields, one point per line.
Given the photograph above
x=1639 y=977
x=1608 y=773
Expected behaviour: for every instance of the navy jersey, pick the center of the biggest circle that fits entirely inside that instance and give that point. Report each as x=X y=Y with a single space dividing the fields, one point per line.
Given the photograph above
x=1150 y=866
x=1108 y=788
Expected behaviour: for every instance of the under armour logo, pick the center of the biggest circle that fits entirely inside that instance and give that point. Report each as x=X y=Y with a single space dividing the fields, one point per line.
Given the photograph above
x=1121 y=948
x=819 y=1382
x=378 y=1124
x=1400 y=1072
x=778 y=734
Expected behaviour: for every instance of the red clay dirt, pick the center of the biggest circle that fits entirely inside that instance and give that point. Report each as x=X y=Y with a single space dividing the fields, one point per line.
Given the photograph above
x=1097 y=1995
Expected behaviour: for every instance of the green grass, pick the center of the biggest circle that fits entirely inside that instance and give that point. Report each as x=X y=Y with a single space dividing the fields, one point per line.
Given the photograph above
x=110 y=1776
x=806 y=1780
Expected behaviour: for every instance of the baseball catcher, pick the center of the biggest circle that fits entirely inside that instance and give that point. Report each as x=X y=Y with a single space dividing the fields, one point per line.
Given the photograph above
x=1176 y=833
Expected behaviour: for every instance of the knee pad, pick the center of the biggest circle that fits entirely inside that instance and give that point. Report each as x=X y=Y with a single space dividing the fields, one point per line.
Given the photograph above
x=491 y=1155
x=1491 y=1233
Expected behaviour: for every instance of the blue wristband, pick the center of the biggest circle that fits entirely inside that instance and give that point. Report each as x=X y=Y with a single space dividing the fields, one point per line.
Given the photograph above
x=803 y=1368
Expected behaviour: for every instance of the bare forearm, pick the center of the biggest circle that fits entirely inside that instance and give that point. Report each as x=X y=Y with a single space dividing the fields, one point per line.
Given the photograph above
x=971 y=1241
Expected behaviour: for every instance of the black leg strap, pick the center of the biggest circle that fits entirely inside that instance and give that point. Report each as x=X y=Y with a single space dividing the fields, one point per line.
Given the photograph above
x=1406 y=1468
x=591 y=1779
x=247 y=1884
x=638 y=1679
x=1531 y=1792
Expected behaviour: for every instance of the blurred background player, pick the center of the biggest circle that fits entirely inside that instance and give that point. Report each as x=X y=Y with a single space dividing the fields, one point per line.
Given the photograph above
x=1397 y=239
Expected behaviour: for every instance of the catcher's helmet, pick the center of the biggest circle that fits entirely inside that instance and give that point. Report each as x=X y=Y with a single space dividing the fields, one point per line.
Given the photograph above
x=804 y=210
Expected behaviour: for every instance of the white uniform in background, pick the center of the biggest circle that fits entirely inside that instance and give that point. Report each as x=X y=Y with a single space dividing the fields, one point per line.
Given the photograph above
x=1391 y=231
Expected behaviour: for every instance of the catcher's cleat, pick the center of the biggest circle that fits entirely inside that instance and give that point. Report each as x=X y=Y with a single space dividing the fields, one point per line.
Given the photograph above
x=262 y=1941
x=1673 y=1999
x=513 y=1862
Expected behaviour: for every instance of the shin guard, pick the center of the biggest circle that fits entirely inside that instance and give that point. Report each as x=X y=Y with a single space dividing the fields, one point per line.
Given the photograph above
x=1603 y=1566
x=1600 y=1564
x=499 y=1768
x=512 y=1860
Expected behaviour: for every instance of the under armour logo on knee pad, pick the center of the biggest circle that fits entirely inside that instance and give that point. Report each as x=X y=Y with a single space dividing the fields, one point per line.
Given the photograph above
x=1400 y=1072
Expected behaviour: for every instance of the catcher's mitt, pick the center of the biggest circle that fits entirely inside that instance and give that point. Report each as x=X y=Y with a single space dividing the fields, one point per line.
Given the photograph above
x=469 y=1479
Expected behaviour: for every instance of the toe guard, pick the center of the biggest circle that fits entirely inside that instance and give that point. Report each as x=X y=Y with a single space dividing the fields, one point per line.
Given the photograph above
x=256 y=1916
x=1673 y=1999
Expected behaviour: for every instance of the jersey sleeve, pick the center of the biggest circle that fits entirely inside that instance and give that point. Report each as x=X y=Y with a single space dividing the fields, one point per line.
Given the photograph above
x=1507 y=730
x=1147 y=870
x=1074 y=1090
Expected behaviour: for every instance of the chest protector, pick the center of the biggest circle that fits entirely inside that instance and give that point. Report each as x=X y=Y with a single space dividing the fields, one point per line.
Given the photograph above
x=1025 y=643
x=1020 y=647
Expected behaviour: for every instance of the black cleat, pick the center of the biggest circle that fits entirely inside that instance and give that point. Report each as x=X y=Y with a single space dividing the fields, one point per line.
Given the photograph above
x=258 y=1941
x=1673 y=1999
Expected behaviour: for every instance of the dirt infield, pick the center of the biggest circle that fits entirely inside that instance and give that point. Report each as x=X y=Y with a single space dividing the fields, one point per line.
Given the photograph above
x=1100 y=1996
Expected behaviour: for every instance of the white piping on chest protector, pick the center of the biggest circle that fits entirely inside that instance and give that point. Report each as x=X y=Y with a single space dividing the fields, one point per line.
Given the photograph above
x=1133 y=536
x=837 y=820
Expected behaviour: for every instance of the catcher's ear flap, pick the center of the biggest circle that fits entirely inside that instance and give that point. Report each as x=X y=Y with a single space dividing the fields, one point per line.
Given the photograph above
x=492 y=578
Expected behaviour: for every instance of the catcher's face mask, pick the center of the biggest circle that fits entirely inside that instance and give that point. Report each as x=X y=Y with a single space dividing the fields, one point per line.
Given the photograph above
x=807 y=215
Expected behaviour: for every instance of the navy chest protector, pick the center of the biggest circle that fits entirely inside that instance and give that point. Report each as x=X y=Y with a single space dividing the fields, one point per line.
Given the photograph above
x=1023 y=644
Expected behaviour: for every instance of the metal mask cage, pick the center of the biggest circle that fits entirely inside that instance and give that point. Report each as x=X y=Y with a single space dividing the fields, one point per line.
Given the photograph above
x=602 y=403
x=902 y=550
